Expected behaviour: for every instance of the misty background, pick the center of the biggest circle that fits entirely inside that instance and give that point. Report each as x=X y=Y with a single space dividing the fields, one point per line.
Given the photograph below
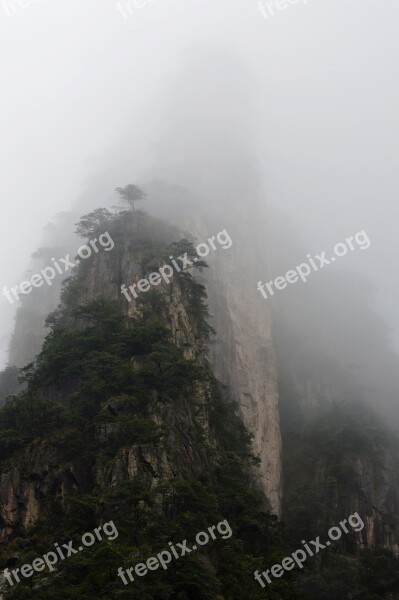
x=91 y=101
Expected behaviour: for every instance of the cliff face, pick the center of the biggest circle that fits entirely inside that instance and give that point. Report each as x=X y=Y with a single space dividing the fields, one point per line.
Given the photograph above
x=339 y=458
x=243 y=353
x=228 y=197
x=43 y=469
x=123 y=419
x=307 y=375
x=39 y=473
x=377 y=496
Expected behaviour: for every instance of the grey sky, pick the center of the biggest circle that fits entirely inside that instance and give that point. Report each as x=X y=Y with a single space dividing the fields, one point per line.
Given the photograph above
x=77 y=75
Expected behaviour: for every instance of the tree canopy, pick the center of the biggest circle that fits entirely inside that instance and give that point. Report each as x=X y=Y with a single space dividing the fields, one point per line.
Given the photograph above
x=131 y=194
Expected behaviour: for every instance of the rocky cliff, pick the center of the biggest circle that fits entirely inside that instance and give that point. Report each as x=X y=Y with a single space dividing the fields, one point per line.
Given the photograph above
x=243 y=353
x=123 y=418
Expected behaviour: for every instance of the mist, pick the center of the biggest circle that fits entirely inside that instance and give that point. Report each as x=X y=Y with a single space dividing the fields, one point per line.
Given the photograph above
x=295 y=113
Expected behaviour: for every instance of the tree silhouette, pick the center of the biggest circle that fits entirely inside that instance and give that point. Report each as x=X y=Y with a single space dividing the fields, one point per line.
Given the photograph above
x=131 y=194
x=93 y=222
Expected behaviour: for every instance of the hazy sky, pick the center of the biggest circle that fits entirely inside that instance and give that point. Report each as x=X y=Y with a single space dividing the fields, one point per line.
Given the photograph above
x=76 y=75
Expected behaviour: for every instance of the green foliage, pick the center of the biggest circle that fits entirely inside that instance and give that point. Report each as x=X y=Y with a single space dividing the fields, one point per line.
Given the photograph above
x=93 y=223
x=148 y=438
x=9 y=383
x=25 y=418
x=131 y=194
x=122 y=384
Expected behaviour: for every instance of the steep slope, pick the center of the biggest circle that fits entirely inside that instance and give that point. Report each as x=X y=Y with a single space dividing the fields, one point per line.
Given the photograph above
x=243 y=351
x=124 y=420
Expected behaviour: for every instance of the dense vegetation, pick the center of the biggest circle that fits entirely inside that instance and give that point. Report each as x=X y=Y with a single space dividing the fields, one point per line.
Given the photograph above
x=103 y=370
x=108 y=381
x=9 y=383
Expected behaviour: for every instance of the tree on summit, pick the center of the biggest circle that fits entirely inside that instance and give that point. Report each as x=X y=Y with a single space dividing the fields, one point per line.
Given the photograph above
x=131 y=194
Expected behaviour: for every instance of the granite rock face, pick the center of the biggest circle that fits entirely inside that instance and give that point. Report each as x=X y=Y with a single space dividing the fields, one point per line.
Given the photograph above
x=44 y=470
x=243 y=354
x=226 y=199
